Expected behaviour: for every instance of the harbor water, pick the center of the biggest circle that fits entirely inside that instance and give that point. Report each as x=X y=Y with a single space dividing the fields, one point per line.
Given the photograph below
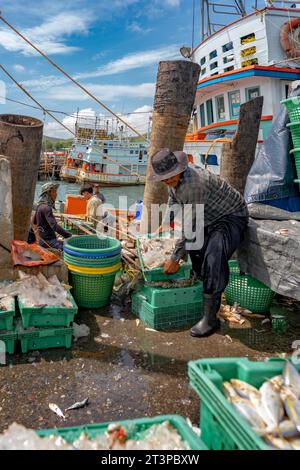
x=133 y=193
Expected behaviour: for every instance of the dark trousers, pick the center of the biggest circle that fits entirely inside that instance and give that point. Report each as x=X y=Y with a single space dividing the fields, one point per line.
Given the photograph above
x=221 y=239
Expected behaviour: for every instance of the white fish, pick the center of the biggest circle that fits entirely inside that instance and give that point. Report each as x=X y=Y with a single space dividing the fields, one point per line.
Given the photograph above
x=53 y=407
x=229 y=391
x=278 y=442
x=243 y=388
x=272 y=403
x=295 y=443
x=291 y=378
x=292 y=405
x=78 y=404
x=247 y=411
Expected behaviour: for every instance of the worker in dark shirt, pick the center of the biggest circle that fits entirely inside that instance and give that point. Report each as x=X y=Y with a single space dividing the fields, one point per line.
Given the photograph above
x=98 y=193
x=44 y=220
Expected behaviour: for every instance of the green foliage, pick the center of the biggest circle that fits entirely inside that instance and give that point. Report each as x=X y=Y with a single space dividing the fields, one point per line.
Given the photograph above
x=51 y=144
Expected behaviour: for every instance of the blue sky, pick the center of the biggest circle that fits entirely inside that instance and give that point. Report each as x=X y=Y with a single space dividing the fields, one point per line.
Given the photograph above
x=112 y=46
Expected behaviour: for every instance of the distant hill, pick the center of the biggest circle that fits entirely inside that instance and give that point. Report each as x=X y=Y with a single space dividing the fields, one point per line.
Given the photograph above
x=53 y=143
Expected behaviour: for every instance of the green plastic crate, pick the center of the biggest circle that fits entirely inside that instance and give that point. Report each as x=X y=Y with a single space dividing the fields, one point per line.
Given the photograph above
x=248 y=292
x=166 y=318
x=293 y=107
x=92 y=291
x=222 y=427
x=7 y=317
x=160 y=297
x=157 y=274
x=46 y=338
x=135 y=429
x=48 y=316
x=9 y=338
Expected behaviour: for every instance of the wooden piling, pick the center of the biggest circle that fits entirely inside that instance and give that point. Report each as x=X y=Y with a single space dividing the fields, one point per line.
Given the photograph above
x=238 y=156
x=21 y=143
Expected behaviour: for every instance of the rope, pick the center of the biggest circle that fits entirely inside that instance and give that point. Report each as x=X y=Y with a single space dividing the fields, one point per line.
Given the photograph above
x=211 y=147
x=58 y=121
x=71 y=78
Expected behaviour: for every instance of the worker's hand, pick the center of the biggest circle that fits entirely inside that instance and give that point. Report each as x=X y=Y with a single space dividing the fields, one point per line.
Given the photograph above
x=171 y=267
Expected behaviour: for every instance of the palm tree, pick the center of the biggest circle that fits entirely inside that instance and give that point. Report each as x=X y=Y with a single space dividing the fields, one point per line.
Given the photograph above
x=173 y=105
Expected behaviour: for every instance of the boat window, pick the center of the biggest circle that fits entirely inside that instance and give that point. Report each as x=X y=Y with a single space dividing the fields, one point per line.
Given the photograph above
x=104 y=150
x=136 y=151
x=202 y=115
x=252 y=93
x=228 y=69
x=227 y=59
x=214 y=65
x=287 y=91
x=145 y=152
x=203 y=61
x=210 y=112
x=227 y=47
x=234 y=103
x=203 y=71
x=125 y=170
x=220 y=106
x=131 y=152
x=247 y=39
x=213 y=54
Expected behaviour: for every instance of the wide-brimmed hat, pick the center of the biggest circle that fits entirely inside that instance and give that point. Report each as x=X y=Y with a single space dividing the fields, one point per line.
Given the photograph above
x=48 y=187
x=166 y=164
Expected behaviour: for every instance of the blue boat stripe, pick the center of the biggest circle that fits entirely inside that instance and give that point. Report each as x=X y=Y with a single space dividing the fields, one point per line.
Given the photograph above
x=251 y=73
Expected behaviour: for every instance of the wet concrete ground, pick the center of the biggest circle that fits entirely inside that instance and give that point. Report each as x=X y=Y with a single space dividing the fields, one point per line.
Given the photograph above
x=126 y=370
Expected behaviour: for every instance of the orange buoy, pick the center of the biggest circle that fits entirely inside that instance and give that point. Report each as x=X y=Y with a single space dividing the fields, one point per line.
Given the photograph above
x=287 y=41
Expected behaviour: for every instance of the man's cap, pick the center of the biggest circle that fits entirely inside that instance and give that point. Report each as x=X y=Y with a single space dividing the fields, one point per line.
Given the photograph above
x=166 y=164
x=49 y=186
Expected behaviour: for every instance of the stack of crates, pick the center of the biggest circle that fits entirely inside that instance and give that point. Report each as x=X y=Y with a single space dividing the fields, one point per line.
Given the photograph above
x=8 y=335
x=46 y=327
x=167 y=308
x=293 y=107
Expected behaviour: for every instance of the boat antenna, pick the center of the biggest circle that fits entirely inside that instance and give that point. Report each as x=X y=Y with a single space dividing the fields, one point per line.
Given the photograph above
x=241 y=6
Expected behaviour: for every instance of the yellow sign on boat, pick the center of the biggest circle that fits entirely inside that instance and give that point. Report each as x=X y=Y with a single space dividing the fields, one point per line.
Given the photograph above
x=248 y=51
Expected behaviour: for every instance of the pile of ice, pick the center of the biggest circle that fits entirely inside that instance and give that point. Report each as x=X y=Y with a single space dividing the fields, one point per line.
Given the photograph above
x=158 y=437
x=156 y=251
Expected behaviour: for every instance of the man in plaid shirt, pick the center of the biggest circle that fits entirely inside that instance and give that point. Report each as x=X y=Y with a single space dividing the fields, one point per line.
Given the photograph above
x=225 y=221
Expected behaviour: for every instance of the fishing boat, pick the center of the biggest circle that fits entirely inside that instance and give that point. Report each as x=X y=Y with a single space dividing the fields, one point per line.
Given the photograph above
x=256 y=54
x=103 y=153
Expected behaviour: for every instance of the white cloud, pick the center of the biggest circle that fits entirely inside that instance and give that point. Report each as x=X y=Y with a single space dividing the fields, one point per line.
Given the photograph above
x=137 y=28
x=139 y=119
x=19 y=68
x=172 y=3
x=103 y=92
x=129 y=62
x=49 y=36
x=134 y=61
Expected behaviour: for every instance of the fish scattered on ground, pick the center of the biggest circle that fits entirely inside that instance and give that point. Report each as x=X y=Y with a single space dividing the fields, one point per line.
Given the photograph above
x=273 y=411
x=78 y=404
x=53 y=407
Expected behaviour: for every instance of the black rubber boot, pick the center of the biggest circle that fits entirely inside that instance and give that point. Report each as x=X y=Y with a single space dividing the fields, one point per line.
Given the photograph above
x=209 y=322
